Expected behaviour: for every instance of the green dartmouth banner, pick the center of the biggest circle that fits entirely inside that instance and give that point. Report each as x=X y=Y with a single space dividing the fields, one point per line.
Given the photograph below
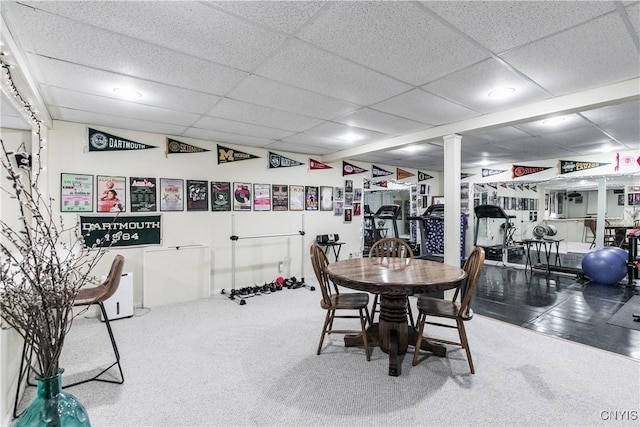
x=121 y=230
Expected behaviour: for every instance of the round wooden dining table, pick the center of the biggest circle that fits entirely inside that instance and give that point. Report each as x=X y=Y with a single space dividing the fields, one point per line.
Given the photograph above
x=394 y=279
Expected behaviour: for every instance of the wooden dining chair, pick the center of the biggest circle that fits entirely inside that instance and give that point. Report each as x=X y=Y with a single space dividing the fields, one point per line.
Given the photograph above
x=333 y=301
x=390 y=247
x=454 y=309
x=97 y=295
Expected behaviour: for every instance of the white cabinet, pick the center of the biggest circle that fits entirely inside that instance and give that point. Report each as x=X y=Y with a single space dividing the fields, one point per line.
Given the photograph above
x=120 y=304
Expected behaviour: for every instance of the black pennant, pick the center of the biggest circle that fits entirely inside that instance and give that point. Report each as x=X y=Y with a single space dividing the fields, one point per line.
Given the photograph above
x=102 y=141
x=177 y=147
x=279 y=161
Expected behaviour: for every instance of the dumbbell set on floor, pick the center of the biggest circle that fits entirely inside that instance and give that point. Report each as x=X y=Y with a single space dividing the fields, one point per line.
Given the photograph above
x=274 y=286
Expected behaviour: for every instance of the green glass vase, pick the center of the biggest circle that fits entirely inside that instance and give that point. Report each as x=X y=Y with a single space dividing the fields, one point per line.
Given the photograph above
x=53 y=406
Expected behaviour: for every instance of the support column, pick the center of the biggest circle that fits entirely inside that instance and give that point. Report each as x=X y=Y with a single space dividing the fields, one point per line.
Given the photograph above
x=602 y=211
x=452 y=162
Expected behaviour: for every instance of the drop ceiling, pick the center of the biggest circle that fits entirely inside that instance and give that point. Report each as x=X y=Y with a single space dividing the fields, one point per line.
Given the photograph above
x=376 y=82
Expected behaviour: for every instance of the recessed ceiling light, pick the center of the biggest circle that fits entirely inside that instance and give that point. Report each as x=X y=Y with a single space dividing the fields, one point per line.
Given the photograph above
x=350 y=137
x=127 y=93
x=554 y=121
x=503 y=92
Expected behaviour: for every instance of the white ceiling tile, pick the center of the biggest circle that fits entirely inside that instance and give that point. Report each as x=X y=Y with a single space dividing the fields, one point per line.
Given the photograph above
x=299 y=148
x=580 y=58
x=270 y=93
x=424 y=107
x=329 y=144
x=395 y=38
x=497 y=134
x=224 y=137
x=192 y=28
x=633 y=11
x=96 y=104
x=97 y=82
x=120 y=122
x=502 y=25
x=471 y=87
x=620 y=121
x=285 y=16
x=240 y=128
x=336 y=131
x=577 y=137
x=77 y=43
x=10 y=117
x=304 y=66
x=544 y=127
x=366 y=118
x=259 y=115
x=13 y=122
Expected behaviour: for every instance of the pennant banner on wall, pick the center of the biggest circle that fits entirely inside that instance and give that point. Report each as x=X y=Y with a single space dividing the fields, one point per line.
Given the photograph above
x=489 y=172
x=423 y=176
x=349 y=169
x=568 y=166
x=625 y=162
x=314 y=164
x=177 y=147
x=380 y=183
x=278 y=161
x=102 y=141
x=377 y=171
x=402 y=174
x=228 y=155
x=465 y=175
x=518 y=171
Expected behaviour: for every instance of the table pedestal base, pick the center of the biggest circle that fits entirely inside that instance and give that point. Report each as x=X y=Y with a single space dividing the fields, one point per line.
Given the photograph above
x=393 y=334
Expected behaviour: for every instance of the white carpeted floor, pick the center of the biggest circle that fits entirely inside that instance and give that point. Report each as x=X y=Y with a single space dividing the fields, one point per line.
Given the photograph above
x=214 y=362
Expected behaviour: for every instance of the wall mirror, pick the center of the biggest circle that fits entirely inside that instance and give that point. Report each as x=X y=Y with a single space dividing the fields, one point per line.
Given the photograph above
x=378 y=221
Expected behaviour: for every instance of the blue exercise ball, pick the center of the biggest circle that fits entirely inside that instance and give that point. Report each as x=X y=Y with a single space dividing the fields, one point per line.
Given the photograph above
x=604 y=266
x=619 y=251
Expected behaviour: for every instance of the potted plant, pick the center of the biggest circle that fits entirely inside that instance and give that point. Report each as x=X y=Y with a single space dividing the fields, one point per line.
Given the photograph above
x=43 y=266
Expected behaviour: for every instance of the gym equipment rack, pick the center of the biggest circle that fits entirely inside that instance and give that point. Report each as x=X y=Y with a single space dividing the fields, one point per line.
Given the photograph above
x=234 y=238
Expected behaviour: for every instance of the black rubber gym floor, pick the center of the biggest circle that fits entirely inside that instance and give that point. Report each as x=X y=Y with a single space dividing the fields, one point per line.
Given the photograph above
x=560 y=305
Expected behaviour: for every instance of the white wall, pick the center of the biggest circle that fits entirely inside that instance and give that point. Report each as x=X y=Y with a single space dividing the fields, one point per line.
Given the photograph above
x=256 y=259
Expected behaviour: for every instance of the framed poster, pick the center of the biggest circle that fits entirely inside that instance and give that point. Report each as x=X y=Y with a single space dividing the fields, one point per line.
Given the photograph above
x=338 y=208
x=142 y=194
x=348 y=199
x=347 y=215
x=76 y=192
x=261 y=197
x=437 y=200
x=338 y=193
x=357 y=194
x=197 y=195
x=280 y=197
x=311 y=198
x=111 y=193
x=326 y=198
x=348 y=186
x=171 y=194
x=357 y=209
x=296 y=197
x=241 y=196
x=220 y=196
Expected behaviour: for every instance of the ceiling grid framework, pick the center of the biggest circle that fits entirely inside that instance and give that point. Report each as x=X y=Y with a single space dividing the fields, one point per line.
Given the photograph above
x=300 y=76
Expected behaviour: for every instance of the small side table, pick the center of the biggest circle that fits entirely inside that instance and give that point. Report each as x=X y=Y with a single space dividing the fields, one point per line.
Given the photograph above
x=548 y=245
x=333 y=245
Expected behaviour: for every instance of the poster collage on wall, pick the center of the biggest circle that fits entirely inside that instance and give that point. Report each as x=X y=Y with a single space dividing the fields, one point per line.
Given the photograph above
x=105 y=193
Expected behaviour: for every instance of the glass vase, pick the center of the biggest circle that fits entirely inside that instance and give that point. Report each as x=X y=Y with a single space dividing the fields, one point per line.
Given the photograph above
x=53 y=406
